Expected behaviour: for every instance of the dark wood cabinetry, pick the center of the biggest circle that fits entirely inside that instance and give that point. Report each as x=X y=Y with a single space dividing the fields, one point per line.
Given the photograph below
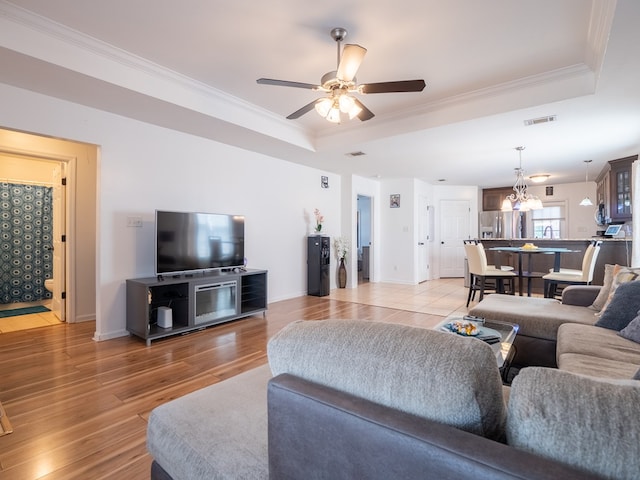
x=614 y=189
x=621 y=180
x=492 y=198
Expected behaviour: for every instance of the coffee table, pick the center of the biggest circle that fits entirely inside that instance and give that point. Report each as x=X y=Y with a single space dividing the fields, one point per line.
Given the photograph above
x=503 y=349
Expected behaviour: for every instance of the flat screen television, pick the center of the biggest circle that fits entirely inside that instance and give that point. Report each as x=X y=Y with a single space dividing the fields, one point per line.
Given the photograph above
x=189 y=242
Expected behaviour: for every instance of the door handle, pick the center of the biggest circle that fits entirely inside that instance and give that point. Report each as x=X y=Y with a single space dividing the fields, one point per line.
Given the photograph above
x=441 y=243
x=420 y=243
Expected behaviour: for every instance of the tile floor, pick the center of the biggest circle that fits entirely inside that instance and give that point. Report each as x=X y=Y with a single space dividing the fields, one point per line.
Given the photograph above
x=441 y=297
x=25 y=322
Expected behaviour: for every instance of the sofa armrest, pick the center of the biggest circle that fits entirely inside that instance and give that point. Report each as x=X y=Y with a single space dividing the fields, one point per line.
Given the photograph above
x=580 y=295
x=316 y=432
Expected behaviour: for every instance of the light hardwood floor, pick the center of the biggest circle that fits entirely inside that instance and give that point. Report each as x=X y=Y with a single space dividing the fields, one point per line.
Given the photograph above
x=79 y=408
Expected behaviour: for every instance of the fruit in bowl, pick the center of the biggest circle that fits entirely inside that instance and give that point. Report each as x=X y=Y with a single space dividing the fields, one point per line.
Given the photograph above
x=529 y=246
x=468 y=329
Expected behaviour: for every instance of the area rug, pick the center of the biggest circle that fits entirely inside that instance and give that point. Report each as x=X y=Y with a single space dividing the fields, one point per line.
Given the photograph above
x=5 y=424
x=23 y=311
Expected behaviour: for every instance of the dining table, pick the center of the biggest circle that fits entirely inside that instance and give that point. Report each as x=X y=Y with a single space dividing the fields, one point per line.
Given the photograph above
x=529 y=273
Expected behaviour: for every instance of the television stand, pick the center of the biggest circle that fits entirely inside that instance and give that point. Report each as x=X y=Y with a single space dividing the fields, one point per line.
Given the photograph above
x=196 y=302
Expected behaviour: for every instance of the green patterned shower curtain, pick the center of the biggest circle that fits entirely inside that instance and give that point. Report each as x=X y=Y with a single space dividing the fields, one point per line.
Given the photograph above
x=26 y=240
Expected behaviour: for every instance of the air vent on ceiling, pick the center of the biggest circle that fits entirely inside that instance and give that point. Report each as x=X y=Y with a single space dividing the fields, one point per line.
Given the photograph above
x=355 y=154
x=537 y=121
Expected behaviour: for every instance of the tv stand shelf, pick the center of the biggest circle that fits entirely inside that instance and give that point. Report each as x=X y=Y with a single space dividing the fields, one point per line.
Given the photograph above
x=196 y=301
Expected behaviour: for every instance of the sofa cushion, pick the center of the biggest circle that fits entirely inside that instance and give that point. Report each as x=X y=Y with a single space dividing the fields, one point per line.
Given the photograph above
x=537 y=317
x=215 y=432
x=435 y=375
x=603 y=295
x=581 y=421
x=620 y=275
x=596 y=351
x=622 y=308
x=632 y=331
x=582 y=364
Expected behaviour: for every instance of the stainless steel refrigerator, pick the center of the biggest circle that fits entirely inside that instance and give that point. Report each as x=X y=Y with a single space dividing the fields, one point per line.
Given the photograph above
x=497 y=224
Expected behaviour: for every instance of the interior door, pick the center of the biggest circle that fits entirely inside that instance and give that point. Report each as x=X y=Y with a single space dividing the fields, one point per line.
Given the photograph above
x=59 y=247
x=455 y=220
x=424 y=235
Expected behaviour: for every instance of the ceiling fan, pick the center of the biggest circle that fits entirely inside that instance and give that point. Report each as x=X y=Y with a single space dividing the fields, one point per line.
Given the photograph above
x=341 y=84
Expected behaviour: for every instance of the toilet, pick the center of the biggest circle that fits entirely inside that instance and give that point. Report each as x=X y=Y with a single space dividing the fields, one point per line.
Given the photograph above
x=48 y=284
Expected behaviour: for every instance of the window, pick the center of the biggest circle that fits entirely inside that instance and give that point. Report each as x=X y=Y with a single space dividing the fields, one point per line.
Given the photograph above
x=550 y=221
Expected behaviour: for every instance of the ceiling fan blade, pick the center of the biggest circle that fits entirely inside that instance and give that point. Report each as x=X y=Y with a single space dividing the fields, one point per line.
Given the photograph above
x=365 y=114
x=352 y=56
x=388 y=87
x=307 y=108
x=286 y=83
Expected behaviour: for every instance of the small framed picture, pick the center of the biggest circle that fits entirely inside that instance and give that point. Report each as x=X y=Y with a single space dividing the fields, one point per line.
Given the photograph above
x=394 y=200
x=324 y=182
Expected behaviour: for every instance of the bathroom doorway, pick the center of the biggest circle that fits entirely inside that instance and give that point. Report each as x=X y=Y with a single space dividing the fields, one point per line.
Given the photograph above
x=364 y=234
x=33 y=218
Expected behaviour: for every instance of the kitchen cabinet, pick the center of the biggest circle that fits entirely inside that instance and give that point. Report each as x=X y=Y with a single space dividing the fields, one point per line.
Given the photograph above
x=614 y=189
x=620 y=184
x=492 y=198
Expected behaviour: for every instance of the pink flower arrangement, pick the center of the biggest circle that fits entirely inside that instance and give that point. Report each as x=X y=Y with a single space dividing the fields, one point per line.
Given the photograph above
x=319 y=219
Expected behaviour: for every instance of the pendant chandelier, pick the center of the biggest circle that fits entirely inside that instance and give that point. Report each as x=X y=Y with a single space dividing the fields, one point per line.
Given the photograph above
x=586 y=201
x=520 y=200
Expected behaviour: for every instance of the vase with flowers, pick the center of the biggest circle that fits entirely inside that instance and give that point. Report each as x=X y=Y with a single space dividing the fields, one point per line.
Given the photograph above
x=319 y=221
x=342 y=249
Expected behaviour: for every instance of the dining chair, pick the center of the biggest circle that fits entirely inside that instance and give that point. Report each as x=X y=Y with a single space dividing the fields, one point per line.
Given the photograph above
x=484 y=277
x=569 y=276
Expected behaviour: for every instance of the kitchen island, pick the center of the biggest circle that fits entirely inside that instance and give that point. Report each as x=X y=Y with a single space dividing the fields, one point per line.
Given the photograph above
x=612 y=251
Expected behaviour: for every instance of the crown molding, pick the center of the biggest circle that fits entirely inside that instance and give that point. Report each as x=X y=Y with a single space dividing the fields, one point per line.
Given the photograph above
x=143 y=76
x=600 y=22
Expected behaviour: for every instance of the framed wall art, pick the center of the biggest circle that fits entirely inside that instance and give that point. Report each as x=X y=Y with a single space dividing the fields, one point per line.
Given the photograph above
x=394 y=200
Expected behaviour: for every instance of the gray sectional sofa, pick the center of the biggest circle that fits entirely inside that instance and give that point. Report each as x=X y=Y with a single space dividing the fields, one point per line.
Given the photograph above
x=539 y=320
x=351 y=399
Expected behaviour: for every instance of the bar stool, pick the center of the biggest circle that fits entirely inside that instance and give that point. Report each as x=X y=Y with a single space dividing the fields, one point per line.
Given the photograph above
x=569 y=276
x=480 y=272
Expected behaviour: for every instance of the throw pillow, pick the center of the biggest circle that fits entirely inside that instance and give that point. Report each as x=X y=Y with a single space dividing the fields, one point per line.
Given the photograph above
x=632 y=331
x=622 y=308
x=603 y=295
x=621 y=275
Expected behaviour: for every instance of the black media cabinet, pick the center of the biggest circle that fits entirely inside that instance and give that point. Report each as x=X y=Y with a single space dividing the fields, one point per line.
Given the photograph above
x=196 y=301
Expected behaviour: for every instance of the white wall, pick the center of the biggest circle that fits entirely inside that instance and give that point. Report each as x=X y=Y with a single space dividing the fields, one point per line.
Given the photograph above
x=580 y=220
x=144 y=167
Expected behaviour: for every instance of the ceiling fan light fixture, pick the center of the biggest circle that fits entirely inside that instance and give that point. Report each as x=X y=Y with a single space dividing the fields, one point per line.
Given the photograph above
x=346 y=103
x=354 y=112
x=323 y=107
x=334 y=115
